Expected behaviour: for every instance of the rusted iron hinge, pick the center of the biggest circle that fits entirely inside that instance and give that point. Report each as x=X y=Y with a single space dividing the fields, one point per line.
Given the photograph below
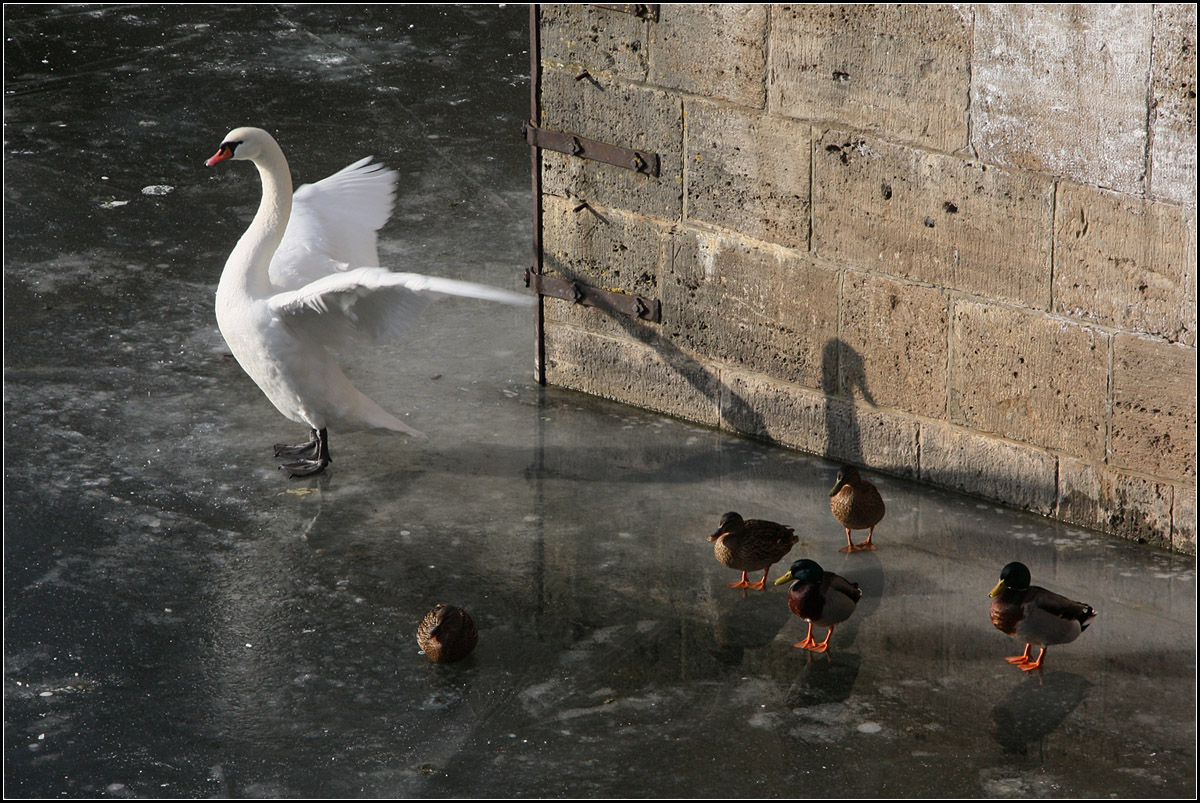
x=634 y=306
x=647 y=11
x=640 y=161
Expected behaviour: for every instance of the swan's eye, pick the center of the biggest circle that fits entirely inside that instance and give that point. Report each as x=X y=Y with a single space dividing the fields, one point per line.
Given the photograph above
x=230 y=146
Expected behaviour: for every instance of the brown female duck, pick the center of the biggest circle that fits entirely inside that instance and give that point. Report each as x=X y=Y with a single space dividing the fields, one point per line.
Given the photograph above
x=1034 y=615
x=857 y=505
x=447 y=634
x=751 y=546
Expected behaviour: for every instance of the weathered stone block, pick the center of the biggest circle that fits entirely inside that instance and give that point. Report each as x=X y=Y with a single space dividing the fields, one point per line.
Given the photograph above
x=748 y=173
x=1121 y=261
x=894 y=347
x=886 y=442
x=656 y=379
x=1154 y=408
x=1028 y=377
x=1188 y=336
x=983 y=466
x=939 y=219
x=1183 y=520
x=762 y=407
x=604 y=248
x=619 y=114
x=733 y=39
x=1037 y=73
x=766 y=309
x=901 y=71
x=604 y=42
x=1084 y=498
x=1104 y=499
x=1173 y=104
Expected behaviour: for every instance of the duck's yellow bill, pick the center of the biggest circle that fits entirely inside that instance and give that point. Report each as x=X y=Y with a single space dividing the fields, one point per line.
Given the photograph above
x=783 y=579
x=998 y=590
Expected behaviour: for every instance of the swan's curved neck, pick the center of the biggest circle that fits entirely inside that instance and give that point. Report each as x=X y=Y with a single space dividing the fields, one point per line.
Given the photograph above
x=246 y=269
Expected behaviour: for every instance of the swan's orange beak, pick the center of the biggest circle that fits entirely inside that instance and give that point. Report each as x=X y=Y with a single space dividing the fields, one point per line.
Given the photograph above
x=223 y=153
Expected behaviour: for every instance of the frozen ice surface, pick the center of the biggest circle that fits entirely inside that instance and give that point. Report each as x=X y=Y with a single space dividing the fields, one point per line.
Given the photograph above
x=182 y=621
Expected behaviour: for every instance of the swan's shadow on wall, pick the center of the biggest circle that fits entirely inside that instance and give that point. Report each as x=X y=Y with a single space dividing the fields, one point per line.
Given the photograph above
x=842 y=374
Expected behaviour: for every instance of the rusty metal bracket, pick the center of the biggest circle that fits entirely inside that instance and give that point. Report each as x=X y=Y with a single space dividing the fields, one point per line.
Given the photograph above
x=634 y=306
x=647 y=11
x=643 y=162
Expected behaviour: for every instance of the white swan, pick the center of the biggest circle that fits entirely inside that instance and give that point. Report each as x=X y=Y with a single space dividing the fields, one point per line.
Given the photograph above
x=303 y=278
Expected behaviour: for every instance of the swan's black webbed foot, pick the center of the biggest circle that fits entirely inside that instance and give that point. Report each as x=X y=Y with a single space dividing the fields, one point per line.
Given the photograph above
x=304 y=468
x=314 y=455
x=308 y=450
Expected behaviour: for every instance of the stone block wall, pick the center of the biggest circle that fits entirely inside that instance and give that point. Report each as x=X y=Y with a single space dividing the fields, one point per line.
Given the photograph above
x=950 y=243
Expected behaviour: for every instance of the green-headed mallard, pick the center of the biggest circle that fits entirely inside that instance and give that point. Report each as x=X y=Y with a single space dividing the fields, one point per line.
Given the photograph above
x=750 y=546
x=1034 y=615
x=820 y=598
x=857 y=505
x=447 y=634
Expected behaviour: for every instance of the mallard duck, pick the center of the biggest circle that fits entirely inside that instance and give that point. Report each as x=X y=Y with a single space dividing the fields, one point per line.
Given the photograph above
x=447 y=634
x=857 y=505
x=820 y=598
x=1034 y=615
x=750 y=546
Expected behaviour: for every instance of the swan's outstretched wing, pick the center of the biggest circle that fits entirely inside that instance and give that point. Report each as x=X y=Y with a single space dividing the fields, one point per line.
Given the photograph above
x=333 y=224
x=374 y=304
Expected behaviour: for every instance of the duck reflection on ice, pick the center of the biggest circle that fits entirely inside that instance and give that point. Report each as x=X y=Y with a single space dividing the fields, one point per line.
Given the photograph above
x=1031 y=711
x=830 y=680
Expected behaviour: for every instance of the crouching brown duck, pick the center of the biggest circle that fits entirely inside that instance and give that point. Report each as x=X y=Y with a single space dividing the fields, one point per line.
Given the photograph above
x=447 y=634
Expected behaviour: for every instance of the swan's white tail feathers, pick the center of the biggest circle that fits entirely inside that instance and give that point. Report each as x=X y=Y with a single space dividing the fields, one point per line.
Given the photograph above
x=396 y=425
x=369 y=415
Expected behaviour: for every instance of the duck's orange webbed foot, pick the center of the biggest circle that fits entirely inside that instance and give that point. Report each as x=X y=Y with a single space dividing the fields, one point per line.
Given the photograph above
x=863 y=547
x=809 y=642
x=824 y=645
x=1029 y=666
x=1021 y=659
x=761 y=584
x=743 y=583
x=853 y=547
x=849 y=547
